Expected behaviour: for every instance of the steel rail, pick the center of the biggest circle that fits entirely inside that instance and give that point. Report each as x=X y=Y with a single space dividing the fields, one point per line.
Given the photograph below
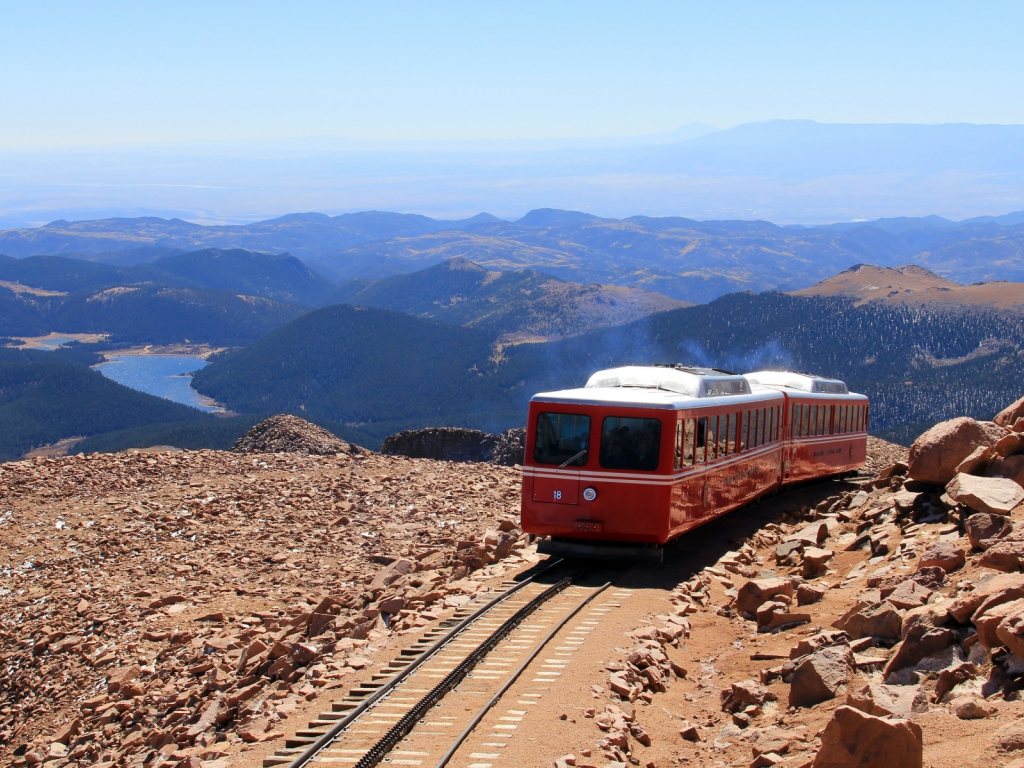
x=515 y=676
x=331 y=734
x=408 y=721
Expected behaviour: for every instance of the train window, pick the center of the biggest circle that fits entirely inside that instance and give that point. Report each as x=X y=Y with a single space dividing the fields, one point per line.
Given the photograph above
x=712 y=437
x=677 y=457
x=702 y=439
x=688 y=444
x=760 y=426
x=772 y=427
x=795 y=420
x=723 y=435
x=842 y=419
x=732 y=445
x=562 y=438
x=630 y=443
x=805 y=423
x=744 y=427
x=829 y=426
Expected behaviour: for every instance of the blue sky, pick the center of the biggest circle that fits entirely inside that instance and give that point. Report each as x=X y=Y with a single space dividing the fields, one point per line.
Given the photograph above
x=103 y=73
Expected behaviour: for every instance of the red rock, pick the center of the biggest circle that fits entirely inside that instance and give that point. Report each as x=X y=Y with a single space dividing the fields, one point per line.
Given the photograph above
x=391 y=573
x=1009 y=415
x=988 y=618
x=921 y=641
x=853 y=739
x=943 y=554
x=885 y=700
x=121 y=676
x=1007 y=556
x=756 y=592
x=817 y=677
x=996 y=495
x=1009 y=445
x=976 y=463
x=806 y=594
x=880 y=620
x=934 y=456
x=983 y=527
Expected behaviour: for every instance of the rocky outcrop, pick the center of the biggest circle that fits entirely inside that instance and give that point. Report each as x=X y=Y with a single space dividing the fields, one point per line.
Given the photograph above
x=854 y=739
x=290 y=434
x=995 y=495
x=509 y=448
x=441 y=444
x=456 y=444
x=935 y=455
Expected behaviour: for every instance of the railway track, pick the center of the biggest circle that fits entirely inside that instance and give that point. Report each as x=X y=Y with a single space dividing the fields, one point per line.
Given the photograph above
x=459 y=694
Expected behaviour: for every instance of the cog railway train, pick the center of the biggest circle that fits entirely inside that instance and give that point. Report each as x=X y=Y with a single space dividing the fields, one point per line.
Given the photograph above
x=644 y=454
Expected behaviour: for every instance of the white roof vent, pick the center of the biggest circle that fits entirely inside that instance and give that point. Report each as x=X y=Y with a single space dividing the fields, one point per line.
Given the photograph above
x=802 y=382
x=692 y=382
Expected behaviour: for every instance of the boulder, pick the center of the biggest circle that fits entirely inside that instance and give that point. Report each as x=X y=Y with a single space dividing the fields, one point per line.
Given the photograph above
x=996 y=495
x=775 y=614
x=1005 y=555
x=817 y=677
x=943 y=554
x=1009 y=415
x=810 y=593
x=759 y=591
x=976 y=463
x=909 y=595
x=935 y=455
x=814 y=560
x=929 y=616
x=855 y=739
x=886 y=700
x=1010 y=632
x=988 y=591
x=1010 y=467
x=921 y=641
x=867 y=619
x=1009 y=445
x=391 y=573
x=971 y=708
x=983 y=527
x=988 y=619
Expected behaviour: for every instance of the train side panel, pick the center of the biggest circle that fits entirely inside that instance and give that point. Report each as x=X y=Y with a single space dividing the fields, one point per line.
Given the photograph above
x=825 y=436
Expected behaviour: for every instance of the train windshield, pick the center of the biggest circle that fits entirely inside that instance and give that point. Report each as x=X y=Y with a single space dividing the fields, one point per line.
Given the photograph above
x=630 y=443
x=562 y=439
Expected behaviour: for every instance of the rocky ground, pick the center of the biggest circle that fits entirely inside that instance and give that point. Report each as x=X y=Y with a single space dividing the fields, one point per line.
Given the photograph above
x=157 y=606
x=883 y=626
x=189 y=608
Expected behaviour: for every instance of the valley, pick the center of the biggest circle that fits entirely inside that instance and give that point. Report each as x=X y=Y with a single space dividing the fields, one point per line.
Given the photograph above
x=421 y=337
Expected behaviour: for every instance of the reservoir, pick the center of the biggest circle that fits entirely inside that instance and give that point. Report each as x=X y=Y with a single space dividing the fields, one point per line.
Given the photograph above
x=160 y=375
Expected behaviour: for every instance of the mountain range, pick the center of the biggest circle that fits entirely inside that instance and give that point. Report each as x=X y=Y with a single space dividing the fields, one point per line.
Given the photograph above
x=683 y=259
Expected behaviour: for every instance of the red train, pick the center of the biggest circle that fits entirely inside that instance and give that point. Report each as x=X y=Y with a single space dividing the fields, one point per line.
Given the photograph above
x=643 y=454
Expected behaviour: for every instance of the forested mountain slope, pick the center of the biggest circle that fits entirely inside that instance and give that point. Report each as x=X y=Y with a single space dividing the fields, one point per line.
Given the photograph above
x=271 y=276
x=45 y=398
x=460 y=292
x=382 y=371
x=146 y=314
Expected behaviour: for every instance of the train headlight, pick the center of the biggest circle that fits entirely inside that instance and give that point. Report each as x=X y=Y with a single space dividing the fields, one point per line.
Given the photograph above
x=589 y=494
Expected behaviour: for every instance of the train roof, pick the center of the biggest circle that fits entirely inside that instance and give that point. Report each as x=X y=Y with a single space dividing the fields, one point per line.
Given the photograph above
x=660 y=386
x=799 y=381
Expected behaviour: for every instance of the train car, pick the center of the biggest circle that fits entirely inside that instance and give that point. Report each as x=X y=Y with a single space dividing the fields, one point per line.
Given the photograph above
x=644 y=454
x=826 y=425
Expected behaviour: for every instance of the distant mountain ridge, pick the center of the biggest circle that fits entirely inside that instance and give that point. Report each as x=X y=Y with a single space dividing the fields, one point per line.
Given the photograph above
x=682 y=258
x=912 y=284
x=460 y=292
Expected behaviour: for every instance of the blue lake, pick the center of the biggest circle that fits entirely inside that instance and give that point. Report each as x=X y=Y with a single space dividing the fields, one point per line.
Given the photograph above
x=159 y=375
